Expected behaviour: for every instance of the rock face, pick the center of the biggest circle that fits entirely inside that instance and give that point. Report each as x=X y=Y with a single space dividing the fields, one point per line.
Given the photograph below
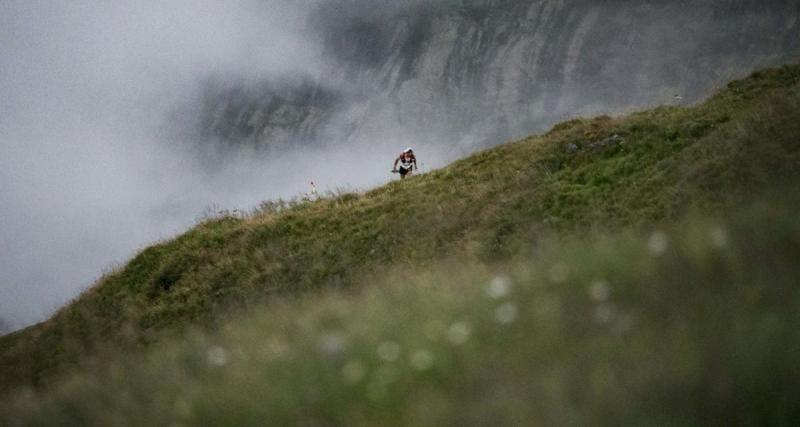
x=272 y=114
x=474 y=72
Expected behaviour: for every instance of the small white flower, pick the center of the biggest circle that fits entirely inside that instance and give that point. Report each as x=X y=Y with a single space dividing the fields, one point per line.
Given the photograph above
x=354 y=371
x=421 y=360
x=719 y=237
x=217 y=356
x=389 y=351
x=332 y=344
x=499 y=287
x=599 y=291
x=506 y=313
x=657 y=243
x=458 y=333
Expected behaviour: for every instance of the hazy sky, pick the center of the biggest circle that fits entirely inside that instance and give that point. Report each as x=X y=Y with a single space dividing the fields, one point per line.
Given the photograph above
x=89 y=173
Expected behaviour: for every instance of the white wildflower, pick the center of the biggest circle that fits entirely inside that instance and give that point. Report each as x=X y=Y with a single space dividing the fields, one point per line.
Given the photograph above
x=217 y=356
x=458 y=333
x=719 y=237
x=506 y=313
x=332 y=344
x=499 y=287
x=599 y=291
x=657 y=243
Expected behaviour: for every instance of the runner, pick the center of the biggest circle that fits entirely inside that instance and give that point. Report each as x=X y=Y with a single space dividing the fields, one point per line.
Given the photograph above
x=408 y=162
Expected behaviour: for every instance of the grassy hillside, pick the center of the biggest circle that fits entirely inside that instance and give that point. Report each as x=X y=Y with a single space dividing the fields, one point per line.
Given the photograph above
x=693 y=324
x=585 y=175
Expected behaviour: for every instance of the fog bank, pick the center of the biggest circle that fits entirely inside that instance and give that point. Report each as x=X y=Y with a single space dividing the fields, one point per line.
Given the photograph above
x=90 y=170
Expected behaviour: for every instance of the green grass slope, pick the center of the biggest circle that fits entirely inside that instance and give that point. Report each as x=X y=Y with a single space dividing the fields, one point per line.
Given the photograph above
x=692 y=324
x=583 y=176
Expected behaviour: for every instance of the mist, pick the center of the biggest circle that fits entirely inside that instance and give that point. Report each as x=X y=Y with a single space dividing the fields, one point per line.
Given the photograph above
x=91 y=169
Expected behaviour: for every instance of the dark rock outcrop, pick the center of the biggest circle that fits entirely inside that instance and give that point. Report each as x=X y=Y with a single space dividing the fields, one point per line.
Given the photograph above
x=473 y=72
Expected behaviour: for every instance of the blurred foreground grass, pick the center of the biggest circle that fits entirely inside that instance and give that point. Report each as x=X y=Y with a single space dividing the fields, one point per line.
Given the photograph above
x=695 y=323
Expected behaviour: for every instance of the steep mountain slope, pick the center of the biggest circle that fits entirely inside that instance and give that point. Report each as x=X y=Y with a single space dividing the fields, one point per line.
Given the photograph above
x=585 y=174
x=477 y=72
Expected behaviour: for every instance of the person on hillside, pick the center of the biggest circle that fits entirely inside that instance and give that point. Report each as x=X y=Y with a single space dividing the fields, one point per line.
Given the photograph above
x=407 y=161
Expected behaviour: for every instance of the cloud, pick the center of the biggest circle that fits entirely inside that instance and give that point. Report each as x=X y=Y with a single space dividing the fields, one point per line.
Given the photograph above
x=89 y=171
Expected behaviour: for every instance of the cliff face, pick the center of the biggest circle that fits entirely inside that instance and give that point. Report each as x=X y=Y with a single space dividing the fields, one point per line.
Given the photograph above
x=469 y=73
